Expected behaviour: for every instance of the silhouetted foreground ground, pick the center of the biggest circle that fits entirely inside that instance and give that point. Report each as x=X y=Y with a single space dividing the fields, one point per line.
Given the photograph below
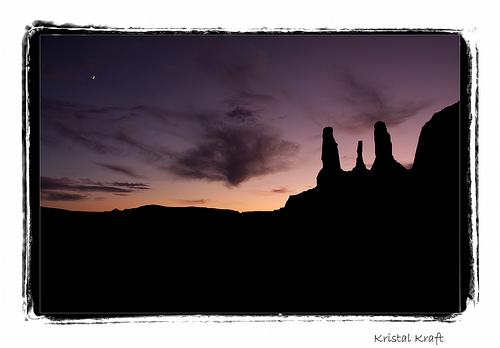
x=385 y=241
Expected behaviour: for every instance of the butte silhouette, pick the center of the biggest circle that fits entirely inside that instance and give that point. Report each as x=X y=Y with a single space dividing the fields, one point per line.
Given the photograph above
x=379 y=241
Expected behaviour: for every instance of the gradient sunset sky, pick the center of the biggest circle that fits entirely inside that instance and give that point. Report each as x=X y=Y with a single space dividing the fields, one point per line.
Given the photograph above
x=226 y=121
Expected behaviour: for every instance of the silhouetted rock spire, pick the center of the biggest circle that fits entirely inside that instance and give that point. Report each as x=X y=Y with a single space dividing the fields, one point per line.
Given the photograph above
x=360 y=164
x=330 y=150
x=384 y=161
x=383 y=144
x=330 y=158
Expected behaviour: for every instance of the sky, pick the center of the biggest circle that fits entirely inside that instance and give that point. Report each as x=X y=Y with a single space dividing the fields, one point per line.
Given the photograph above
x=226 y=121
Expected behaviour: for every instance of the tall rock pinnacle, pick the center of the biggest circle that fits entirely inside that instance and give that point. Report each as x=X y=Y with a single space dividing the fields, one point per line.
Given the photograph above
x=330 y=158
x=330 y=151
x=384 y=161
x=360 y=164
x=383 y=144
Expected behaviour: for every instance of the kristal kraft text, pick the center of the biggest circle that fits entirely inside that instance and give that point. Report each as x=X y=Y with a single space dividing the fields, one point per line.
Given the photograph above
x=399 y=338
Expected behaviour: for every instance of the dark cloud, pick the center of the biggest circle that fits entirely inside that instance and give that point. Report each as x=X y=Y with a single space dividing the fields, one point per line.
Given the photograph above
x=152 y=153
x=282 y=189
x=91 y=140
x=62 y=196
x=234 y=153
x=63 y=122
x=229 y=146
x=366 y=103
x=121 y=169
x=238 y=67
x=279 y=190
x=107 y=114
x=194 y=201
x=64 y=188
x=245 y=106
x=131 y=186
x=246 y=98
x=119 y=114
x=233 y=64
x=242 y=114
x=138 y=133
x=55 y=184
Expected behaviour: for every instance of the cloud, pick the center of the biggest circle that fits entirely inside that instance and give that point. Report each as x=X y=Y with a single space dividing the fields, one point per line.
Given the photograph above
x=61 y=110
x=87 y=185
x=105 y=130
x=121 y=169
x=245 y=107
x=65 y=188
x=152 y=153
x=366 y=102
x=276 y=191
x=247 y=98
x=91 y=140
x=232 y=154
x=194 y=201
x=240 y=69
x=242 y=114
x=131 y=186
x=62 y=196
x=282 y=189
x=235 y=65
x=230 y=144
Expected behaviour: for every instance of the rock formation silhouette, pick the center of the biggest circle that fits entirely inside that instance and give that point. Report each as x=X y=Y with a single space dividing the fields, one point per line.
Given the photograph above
x=388 y=241
x=330 y=158
x=384 y=160
x=360 y=164
x=336 y=188
x=329 y=151
x=400 y=213
x=384 y=165
x=438 y=139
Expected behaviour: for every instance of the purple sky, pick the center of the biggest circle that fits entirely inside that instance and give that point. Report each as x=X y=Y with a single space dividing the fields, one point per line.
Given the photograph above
x=226 y=121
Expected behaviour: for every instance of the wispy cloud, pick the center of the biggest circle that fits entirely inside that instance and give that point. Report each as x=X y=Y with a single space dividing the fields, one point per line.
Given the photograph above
x=194 y=201
x=61 y=110
x=242 y=114
x=122 y=170
x=105 y=130
x=68 y=189
x=233 y=64
x=90 y=139
x=150 y=152
x=365 y=102
x=271 y=192
x=246 y=98
x=240 y=70
x=62 y=196
x=282 y=189
x=131 y=186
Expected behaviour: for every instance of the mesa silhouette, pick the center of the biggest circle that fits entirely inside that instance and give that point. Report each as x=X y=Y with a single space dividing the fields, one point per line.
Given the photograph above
x=382 y=241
